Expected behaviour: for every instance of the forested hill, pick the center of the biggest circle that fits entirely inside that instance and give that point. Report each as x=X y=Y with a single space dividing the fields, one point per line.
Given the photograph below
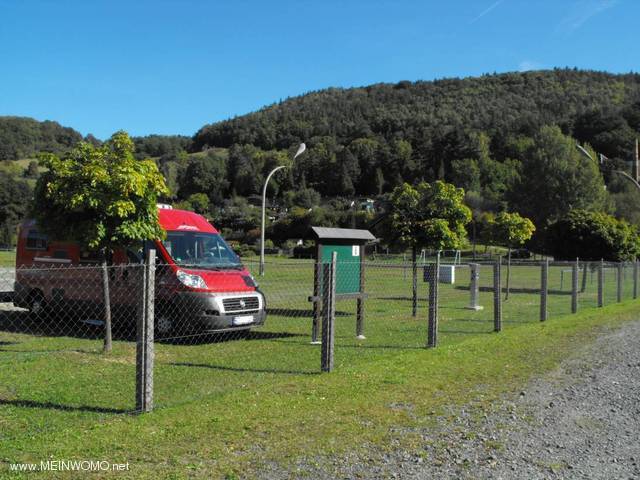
x=23 y=137
x=424 y=112
x=507 y=139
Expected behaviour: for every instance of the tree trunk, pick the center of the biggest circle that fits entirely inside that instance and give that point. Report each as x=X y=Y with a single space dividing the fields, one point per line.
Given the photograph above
x=473 y=224
x=414 y=265
x=506 y=296
x=107 y=305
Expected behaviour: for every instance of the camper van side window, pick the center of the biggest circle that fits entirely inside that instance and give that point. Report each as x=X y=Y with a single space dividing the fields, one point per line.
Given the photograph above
x=36 y=240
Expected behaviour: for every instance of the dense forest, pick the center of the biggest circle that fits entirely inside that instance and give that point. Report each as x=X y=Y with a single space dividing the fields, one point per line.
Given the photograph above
x=507 y=139
x=22 y=137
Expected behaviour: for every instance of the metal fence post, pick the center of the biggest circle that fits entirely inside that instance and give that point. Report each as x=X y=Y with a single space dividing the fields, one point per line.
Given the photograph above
x=144 y=346
x=635 y=278
x=601 y=283
x=434 y=279
x=544 y=289
x=619 y=282
x=574 y=286
x=497 y=300
x=328 y=314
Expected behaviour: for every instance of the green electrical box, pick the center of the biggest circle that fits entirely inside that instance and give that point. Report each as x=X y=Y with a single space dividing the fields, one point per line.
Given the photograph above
x=349 y=245
x=348 y=266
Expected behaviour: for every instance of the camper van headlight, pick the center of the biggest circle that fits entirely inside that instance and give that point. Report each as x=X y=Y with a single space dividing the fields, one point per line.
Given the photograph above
x=189 y=280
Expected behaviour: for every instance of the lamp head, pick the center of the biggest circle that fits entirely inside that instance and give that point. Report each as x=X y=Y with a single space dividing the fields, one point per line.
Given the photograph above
x=301 y=150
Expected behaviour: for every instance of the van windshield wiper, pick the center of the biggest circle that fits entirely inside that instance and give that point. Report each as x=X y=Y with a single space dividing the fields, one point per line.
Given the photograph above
x=228 y=266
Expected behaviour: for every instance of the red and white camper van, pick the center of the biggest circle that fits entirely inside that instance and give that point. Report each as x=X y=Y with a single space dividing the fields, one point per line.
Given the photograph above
x=200 y=281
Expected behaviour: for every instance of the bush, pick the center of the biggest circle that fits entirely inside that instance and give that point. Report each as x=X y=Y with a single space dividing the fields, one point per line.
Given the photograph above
x=304 y=251
x=592 y=236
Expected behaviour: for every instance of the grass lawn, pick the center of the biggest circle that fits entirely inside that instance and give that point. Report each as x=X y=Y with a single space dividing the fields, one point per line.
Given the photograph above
x=226 y=407
x=7 y=259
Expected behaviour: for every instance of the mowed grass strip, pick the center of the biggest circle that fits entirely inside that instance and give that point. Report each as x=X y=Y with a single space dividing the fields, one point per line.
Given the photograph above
x=230 y=407
x=7 y=258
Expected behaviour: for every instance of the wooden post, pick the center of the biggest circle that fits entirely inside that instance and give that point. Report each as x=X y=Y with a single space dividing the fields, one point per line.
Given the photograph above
x=497 y=295
x=107 y=305
x=601 y=284
x=635 y=278
x=434 y=279
x=317 y=306
x=328 y=314
x=544 y=289
x=619 y=282
x=574 y=286
x=414 y=282
x=583 y=287
x=144 y=345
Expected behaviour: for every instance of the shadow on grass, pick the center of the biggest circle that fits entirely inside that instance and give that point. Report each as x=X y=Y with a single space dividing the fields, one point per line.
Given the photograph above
x=516 y=290
x=64 y=324
x=464 y=332
x=53 y=350
x=241 y=369
x=300 y=312
x=383 y=347
x=420 y=298
x=18 y=321
x=63 y=408
x=222 y=337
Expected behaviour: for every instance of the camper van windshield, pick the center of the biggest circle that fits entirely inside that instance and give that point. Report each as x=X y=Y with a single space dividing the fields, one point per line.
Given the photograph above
x=206 y=250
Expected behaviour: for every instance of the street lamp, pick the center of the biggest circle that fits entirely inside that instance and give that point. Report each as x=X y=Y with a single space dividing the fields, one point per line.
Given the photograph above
x=301 y=149
x=602 y=157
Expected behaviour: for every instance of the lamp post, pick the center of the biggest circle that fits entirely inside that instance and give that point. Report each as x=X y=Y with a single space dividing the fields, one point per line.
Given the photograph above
x=301 y=149
x=602 y=157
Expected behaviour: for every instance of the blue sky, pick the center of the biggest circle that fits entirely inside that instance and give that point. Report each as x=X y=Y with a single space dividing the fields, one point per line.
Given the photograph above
x=172 y=66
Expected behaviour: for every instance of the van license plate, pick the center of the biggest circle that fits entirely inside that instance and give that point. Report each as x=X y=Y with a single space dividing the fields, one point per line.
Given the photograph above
x=244 y=320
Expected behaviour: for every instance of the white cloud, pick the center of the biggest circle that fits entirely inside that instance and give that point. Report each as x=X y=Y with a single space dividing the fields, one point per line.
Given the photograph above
x=486 y=11
x=526 y=65
x=583 y=11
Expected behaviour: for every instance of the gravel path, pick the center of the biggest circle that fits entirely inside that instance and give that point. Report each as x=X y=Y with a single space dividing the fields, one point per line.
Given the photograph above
x=581 y=421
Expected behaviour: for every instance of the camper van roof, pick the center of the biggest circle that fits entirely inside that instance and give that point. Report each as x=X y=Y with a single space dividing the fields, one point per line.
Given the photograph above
x=172 y=220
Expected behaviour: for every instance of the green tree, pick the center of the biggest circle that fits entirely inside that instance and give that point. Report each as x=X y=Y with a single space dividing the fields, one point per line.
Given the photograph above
x=592 y=236
x=32 y=170
x=197 y=202
x=510 y=230
x=15 y=195
x=431 y=215
x=101 y=197
x=205 y=173
x=556 y=178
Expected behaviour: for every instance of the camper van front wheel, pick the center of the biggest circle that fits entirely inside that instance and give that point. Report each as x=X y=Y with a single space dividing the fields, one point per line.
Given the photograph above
x=36 y=304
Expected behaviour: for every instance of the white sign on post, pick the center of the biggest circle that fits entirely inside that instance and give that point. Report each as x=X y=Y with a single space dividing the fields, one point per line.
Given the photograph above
x=355 y=250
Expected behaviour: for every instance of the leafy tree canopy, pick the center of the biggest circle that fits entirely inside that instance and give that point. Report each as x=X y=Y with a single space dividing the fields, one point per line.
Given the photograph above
x=556 y=178
x=592 y=236
x=431 y=215
x=510 y=229
x=101 y=196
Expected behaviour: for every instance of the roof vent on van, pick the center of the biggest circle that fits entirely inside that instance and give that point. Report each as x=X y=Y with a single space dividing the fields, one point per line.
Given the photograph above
x=164 y=206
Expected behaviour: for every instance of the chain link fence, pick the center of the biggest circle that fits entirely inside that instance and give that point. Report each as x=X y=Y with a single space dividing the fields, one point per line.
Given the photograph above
x=187 y=333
